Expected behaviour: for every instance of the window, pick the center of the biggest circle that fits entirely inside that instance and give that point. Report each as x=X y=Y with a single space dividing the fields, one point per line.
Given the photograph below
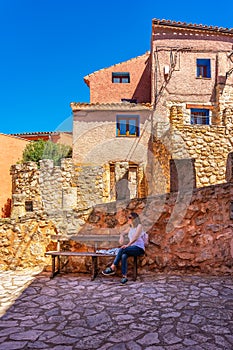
x=203 y=68
x=29 y=205
x=200 y=116
x=127 y=125
x=120 y=77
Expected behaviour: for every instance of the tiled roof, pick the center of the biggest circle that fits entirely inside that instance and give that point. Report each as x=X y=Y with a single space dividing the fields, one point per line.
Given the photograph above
x=164 y=22
x=40 y=133
x=86 y=78
x=76 y=106
x=35 y=133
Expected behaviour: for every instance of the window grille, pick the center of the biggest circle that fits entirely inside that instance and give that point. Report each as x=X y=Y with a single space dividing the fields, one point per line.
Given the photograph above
x=200 y=116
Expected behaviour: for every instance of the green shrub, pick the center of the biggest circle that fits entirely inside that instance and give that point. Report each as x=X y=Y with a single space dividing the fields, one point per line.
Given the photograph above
x=38 y=150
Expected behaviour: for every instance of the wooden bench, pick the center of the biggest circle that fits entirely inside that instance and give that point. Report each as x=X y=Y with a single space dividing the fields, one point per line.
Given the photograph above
x=57 y=254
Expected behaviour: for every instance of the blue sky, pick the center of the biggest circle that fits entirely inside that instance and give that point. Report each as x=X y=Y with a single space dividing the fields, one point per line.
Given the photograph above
x=48 y=46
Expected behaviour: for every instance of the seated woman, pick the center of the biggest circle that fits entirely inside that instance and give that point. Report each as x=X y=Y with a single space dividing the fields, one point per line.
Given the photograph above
x=135 y=247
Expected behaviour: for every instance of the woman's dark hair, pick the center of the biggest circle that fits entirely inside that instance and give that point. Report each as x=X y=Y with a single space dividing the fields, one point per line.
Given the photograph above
x=135 y=219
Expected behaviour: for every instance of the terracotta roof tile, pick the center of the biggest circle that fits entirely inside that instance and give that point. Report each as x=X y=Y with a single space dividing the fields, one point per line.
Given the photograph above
x=35 y=133
x=42 y=133
x=76 y=106
x=164 y=22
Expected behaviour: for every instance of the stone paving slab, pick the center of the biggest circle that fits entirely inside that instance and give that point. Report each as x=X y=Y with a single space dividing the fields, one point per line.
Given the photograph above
x=159 y=311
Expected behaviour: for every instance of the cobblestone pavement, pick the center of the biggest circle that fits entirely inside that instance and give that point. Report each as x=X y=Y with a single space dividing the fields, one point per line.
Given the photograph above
x=70 y=312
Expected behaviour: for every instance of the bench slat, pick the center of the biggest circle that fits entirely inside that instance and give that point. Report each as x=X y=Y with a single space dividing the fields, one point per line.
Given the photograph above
x=56 y=253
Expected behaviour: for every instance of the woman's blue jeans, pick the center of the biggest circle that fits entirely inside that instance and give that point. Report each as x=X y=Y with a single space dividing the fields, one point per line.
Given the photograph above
x=123 y=255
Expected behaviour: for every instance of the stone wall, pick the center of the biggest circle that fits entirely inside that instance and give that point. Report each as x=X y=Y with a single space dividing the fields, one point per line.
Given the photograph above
x=61 y=192
x=55 y=185
x=24 y=242
x=25 y=181
x=188 y=231
x=207 y=146
x=92 y=186
x=67 y=192
x=225 y=96
x=56 y=190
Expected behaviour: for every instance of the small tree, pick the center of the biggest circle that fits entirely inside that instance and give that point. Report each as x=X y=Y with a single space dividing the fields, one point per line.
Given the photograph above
x=37 y=150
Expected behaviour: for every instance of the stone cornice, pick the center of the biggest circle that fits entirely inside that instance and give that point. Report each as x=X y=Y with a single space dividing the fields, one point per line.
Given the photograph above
x=122 y=106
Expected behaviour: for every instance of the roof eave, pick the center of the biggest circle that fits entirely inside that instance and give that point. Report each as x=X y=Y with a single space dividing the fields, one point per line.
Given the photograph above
x=76 y=106
x=190 y=26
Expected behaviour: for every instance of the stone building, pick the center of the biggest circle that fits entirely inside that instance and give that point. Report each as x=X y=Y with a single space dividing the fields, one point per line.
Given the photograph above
x=185 y=83
x=115 y=138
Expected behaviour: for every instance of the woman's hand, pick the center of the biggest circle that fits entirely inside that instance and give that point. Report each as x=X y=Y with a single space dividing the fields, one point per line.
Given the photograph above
x=125 y=246
x=122 y=238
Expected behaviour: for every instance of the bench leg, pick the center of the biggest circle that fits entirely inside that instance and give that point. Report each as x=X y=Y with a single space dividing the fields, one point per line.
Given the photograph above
x=94 y=267
x=58 y=264
x=54 y=272
x=53 y=266
x=135 y=267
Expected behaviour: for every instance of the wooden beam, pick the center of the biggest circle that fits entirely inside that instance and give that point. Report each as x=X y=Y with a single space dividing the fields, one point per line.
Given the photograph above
x=199 y=106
